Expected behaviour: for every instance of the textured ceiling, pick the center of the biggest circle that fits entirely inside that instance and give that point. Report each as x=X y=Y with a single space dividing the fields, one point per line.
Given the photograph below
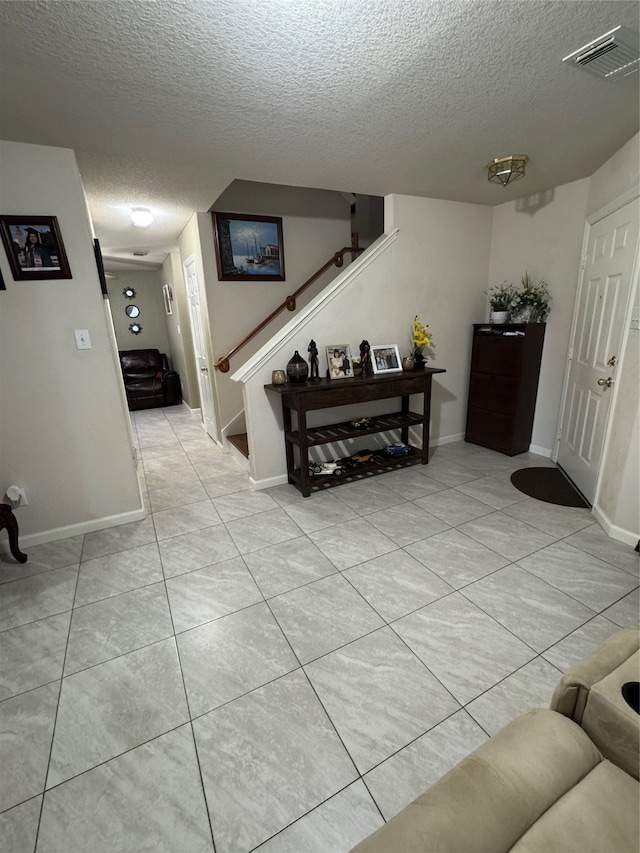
x=166 y=103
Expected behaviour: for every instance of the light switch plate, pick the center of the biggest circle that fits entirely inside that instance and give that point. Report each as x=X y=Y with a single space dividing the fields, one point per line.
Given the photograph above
x=83 y=341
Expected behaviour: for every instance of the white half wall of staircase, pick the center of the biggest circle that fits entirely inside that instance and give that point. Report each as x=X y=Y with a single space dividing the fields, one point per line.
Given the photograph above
x=433 y=261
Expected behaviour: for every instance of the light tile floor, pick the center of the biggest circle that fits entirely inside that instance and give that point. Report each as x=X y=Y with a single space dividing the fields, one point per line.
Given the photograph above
x=249 y=670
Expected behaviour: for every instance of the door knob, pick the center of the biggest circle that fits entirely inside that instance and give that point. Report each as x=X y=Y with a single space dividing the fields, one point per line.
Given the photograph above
x=608 y=382
x=612 y=361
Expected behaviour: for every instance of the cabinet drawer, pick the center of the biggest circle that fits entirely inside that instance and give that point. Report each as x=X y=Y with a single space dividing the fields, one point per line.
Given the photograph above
x=498 y=354
x=492 y=391
x=490 y=429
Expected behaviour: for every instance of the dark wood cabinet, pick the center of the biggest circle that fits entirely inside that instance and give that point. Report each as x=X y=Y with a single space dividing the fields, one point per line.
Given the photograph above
x=327 y=393
x=503 y=385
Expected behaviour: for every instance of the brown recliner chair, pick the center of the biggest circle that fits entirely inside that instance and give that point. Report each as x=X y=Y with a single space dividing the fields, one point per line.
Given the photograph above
x=148 y=381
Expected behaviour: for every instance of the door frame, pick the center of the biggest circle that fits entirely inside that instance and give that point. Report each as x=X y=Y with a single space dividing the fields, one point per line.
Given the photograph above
x=620 y=201
x=206 y=332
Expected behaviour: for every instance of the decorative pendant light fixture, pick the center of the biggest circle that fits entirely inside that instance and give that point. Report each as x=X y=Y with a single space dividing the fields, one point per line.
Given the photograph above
x=506 y=170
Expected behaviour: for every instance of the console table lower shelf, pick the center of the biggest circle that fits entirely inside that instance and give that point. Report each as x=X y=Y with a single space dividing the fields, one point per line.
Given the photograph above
x=325 y=394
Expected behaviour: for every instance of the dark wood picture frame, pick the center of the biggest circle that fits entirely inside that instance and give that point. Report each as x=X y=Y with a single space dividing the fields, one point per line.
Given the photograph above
x=97 y=251
x=248 y=247
x=49 y=261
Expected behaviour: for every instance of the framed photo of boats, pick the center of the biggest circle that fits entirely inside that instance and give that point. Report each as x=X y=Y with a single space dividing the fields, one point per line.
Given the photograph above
x=248 y=247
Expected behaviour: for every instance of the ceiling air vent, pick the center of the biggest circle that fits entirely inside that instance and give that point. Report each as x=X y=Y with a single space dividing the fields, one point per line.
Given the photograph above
x=610 y=57
x=139 y=253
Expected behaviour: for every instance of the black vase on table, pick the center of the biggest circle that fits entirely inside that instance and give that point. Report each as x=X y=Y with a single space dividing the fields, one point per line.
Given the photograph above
x=297 y=368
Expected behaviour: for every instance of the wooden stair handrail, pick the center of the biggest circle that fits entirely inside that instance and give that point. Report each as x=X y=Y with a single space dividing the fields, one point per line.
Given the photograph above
x=222 y=364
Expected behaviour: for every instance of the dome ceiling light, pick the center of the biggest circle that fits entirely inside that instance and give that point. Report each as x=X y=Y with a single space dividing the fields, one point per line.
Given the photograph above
x=141 y=217
x=506 y=170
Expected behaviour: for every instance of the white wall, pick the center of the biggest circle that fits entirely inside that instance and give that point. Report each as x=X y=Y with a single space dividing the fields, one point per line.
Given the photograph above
x=148 y=298
x=618 y=495
x=315 y=224
x=543 y=234
x=436 y=267
x=64 y=429
x=615 y=177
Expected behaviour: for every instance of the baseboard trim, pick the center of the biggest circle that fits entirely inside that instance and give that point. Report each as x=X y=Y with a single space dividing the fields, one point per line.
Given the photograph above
x=627 y=537
x=269 y=482
x=541 y=451
x=447 y=439
x=56 y=533
x=191 y=411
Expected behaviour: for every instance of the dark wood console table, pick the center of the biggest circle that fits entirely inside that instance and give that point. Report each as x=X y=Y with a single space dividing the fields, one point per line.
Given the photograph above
x=328 y=393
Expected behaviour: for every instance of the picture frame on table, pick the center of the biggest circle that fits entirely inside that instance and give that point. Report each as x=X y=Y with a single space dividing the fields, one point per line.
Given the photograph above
x=339 y=361
x=34 y=248
x=248 y=247
x=385 y=358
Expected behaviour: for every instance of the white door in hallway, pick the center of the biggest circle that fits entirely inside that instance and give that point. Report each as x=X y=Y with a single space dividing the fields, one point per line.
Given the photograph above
x=200 y=348
x=594 y=353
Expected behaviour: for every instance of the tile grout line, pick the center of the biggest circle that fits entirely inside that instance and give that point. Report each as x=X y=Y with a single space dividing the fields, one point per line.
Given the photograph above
x=55 y=718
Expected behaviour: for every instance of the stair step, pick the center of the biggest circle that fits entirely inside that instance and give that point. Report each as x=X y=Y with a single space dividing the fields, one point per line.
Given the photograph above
x=241 y=442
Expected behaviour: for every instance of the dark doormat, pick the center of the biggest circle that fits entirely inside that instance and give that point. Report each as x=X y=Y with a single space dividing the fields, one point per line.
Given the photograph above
x=548 y=484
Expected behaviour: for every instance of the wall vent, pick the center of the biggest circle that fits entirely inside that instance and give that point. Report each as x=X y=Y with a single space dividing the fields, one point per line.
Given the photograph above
x=611 y=56
x=140 y=253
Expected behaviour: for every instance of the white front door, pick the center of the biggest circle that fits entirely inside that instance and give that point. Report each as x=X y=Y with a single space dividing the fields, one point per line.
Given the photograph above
x=200 y=349
x=594 y=352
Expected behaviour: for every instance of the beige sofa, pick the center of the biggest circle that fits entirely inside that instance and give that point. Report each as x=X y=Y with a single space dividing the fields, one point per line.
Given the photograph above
x=552 y=781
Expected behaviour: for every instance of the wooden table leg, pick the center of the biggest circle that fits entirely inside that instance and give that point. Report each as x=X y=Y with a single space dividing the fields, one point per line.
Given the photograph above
x=426 y=423
x=8 y=520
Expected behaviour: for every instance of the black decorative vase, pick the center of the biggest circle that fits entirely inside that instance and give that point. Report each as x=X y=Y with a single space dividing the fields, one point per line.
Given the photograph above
x=297 y=368
x=420 y=361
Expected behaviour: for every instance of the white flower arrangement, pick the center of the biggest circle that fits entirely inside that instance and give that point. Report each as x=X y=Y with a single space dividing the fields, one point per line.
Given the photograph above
x=500 y=296
x=531 y=303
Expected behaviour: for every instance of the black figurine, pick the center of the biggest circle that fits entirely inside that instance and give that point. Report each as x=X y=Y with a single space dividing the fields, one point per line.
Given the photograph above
x=365 y=359
x=312 y=349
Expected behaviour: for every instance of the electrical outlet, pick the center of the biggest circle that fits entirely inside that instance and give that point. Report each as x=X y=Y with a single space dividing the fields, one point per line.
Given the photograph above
x=17 y=496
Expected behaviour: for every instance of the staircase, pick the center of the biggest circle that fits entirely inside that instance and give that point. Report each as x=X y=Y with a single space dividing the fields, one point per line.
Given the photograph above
x=240 y=442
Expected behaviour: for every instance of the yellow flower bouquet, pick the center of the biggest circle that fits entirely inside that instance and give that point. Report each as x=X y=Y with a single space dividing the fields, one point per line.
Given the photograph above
x=420 y=338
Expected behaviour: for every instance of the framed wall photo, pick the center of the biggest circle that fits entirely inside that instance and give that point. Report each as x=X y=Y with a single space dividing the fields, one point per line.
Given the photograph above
x=100 y=267
x=385 y=358
x=339 y=361
x=34 y=247
x=167 y=295
x=248 y=248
